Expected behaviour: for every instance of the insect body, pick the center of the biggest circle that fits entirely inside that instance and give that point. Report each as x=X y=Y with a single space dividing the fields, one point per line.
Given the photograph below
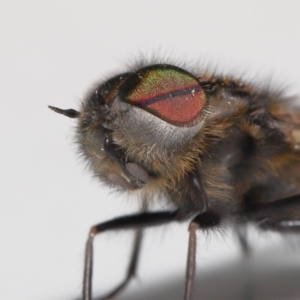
x=217 y=149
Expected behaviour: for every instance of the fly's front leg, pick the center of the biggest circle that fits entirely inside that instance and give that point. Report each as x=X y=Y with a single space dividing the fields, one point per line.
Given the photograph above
x=138 y=221
x=131 y=271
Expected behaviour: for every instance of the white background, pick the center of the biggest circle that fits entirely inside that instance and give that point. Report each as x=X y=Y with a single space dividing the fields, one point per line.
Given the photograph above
x=50 y=53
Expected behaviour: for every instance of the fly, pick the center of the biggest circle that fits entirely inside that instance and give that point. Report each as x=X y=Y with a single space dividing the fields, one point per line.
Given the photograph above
x=218 y=149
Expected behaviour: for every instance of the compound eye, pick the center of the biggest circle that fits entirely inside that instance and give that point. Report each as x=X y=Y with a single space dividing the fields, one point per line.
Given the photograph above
x=169 y=93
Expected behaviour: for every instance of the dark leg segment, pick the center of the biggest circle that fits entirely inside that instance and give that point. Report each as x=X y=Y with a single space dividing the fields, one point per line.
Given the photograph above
x=137 y=221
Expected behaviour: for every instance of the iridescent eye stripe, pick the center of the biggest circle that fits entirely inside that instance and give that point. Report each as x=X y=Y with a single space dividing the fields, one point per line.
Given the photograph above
x=169 y=93
x=187 y=91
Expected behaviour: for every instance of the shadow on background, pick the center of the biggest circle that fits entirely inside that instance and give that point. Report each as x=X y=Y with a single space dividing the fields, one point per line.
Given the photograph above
x=268 y=275
x=245 y=280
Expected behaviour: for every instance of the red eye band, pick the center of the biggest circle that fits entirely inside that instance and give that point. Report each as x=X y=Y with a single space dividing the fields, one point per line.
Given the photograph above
x=169 y=93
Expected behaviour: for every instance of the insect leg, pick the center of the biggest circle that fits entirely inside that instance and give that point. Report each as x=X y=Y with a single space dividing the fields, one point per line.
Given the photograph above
x=191 y=261
x=203 y=221
x=280 y=215
x=131 y=271
x=137 y=221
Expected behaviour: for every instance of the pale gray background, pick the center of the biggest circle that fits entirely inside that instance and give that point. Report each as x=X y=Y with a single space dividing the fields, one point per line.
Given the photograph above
x=50 y=53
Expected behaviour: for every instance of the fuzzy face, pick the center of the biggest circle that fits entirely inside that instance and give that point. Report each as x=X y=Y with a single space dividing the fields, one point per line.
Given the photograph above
x=151 y=117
